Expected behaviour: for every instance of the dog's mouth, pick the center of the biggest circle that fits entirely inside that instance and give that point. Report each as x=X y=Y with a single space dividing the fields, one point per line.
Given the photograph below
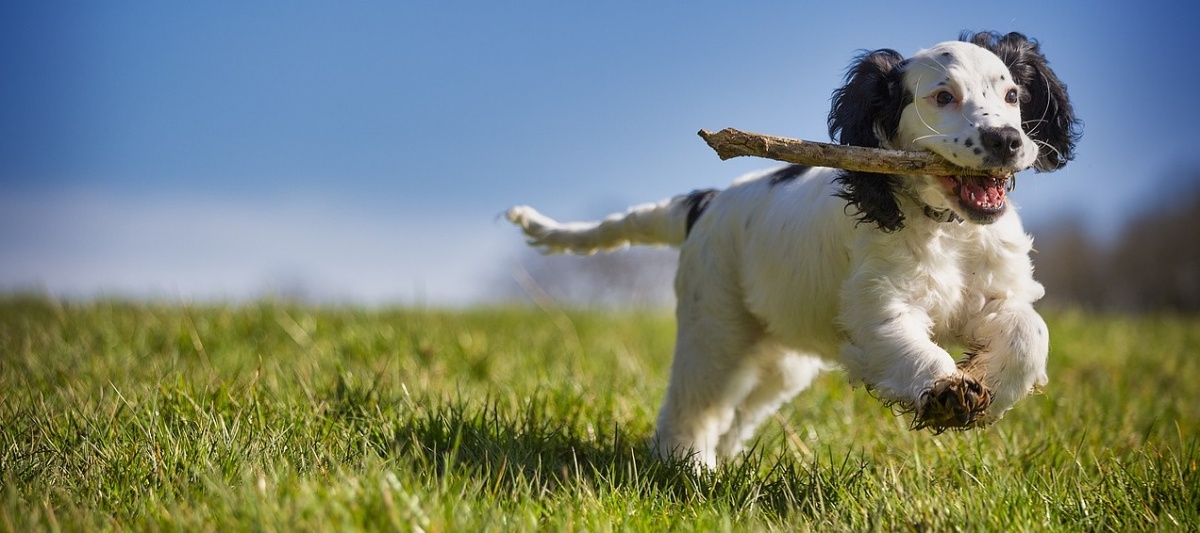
x=981 y=198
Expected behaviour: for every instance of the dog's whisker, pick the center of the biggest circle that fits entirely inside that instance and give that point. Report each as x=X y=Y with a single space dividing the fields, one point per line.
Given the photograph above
x=939 y=67
x=930 y=136
x=1031 y=131
x=922 y=118
x=925 y=123
x=1051 y=147
x=1045 y=111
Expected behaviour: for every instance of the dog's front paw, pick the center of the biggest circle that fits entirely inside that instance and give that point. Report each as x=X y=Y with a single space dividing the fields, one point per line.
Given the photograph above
x=955 y=402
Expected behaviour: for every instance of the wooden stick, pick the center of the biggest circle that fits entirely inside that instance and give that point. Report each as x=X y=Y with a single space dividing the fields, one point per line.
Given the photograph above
x=734 y=143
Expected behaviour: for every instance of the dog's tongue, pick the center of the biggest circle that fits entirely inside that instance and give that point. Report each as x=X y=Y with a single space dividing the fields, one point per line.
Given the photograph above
x=982 y=192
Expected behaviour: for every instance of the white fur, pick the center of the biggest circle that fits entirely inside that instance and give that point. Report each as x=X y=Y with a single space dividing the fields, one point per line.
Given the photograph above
x=778 y=281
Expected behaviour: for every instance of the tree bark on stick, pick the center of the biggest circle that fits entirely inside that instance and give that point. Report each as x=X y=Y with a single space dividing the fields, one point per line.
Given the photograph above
x=730 y=143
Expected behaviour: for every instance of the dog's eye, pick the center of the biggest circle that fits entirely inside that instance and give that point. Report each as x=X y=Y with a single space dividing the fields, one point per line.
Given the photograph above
x=943 y=98
x=1012 y=97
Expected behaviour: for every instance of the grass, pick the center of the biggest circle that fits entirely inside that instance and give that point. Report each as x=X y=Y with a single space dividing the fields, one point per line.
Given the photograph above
x=272 y=416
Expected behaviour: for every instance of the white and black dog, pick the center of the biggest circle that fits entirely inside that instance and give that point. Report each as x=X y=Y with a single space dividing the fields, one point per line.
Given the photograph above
x=790 y=270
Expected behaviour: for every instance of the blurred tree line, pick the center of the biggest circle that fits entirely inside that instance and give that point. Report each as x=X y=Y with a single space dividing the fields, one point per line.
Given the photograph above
x=631 y=277
x=1152 y=266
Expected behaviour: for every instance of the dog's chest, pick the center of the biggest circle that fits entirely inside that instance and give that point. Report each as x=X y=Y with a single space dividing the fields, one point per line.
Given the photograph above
x=952 y=277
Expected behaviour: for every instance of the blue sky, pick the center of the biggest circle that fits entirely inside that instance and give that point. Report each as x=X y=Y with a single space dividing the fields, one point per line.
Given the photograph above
x=364 y=150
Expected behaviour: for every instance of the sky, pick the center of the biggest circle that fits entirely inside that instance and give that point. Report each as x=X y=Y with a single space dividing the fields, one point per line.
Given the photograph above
x=363 y=151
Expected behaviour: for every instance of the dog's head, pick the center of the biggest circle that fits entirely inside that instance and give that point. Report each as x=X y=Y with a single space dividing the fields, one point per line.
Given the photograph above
x=987 y=102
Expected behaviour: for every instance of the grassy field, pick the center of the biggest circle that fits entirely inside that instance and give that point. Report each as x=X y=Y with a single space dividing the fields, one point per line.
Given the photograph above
x=283 y=417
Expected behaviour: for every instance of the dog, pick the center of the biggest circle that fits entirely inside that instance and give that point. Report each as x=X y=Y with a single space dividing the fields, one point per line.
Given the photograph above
x=798 y=269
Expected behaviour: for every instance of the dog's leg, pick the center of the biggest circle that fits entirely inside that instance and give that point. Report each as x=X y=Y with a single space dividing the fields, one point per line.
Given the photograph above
x=890 y=350
x=707 y=382
x=1010 y=343
x=781 y=375
x=711 y=373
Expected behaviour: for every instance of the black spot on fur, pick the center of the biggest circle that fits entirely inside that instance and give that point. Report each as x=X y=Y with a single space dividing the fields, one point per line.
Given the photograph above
x=787 y=174
x=1046 y=113
x=969 y=143
x=696 y=202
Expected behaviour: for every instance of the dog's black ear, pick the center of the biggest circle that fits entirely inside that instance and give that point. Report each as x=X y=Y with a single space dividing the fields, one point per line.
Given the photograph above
x=866 y=112
x=1046 y=113
x=867 y=107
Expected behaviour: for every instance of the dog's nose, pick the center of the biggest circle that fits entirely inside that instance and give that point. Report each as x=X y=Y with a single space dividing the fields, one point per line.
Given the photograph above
x=1002 y=143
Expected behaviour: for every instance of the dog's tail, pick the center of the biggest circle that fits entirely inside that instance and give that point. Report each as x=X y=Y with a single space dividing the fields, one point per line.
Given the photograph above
x=666 y=223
